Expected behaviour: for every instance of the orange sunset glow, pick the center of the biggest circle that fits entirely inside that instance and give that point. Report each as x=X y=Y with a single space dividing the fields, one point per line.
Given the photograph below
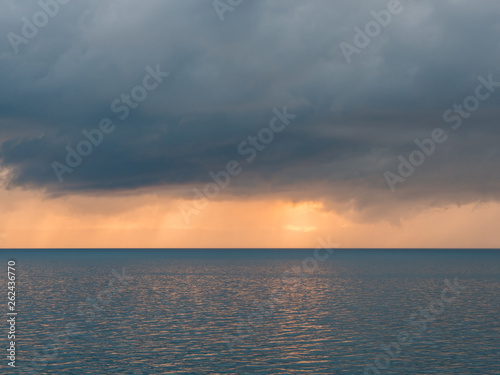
x=150 y=220
x=289 y=131
x=279 y=187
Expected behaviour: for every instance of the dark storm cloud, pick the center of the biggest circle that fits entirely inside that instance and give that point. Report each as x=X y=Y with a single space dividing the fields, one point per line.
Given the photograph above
x=353 y=120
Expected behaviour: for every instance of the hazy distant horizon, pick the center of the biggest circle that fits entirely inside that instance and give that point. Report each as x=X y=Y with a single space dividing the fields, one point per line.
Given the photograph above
x=249 y=123
x=243 y=187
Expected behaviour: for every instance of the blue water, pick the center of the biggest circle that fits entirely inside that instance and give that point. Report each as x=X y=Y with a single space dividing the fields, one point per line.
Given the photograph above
x=255 y=312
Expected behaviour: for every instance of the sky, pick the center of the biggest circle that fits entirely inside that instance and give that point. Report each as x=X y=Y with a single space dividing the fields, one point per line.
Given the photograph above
x=249 y=123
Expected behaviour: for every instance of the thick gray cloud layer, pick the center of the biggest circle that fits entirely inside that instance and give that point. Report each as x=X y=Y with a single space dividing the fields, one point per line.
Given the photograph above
x=353 y=120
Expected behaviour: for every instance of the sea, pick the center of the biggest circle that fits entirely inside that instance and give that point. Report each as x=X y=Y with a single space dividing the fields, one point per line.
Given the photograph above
x=251 y=311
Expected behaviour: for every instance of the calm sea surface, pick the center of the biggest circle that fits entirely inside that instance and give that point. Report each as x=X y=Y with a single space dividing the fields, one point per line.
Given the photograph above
x=255 y=312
